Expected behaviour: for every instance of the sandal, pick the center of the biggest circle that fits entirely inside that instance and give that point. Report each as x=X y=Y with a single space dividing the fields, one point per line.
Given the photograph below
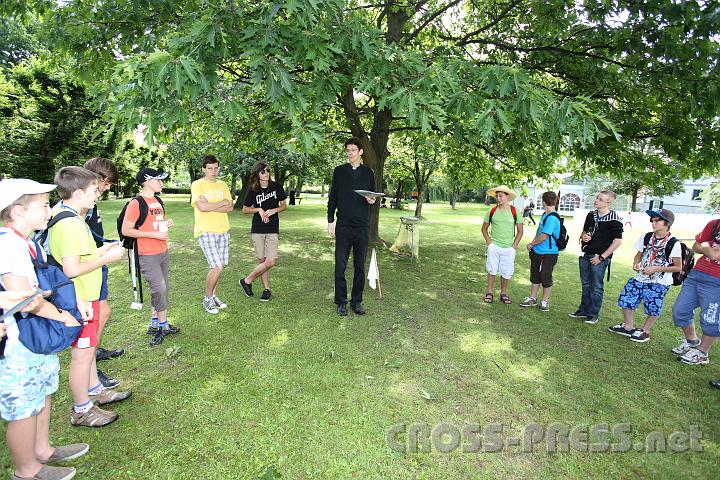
x=505 y=299
x=488 y=298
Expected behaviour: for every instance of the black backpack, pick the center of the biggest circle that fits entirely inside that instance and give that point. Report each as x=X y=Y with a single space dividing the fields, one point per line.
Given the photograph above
x=563 y=238
x=687 y=257
x=129 y=242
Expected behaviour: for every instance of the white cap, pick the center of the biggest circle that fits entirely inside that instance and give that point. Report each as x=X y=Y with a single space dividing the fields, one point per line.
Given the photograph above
x=13 y=188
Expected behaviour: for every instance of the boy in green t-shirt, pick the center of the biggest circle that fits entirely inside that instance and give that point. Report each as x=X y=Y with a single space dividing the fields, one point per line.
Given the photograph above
x=72 y=245
x=503 y=230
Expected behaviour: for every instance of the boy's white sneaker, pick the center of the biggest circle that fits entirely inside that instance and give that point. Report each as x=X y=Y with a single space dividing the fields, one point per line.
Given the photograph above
x=210 y=306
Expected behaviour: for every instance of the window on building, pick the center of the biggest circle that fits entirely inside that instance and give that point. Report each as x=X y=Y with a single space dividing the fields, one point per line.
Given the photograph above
x=696 y=194
x=569 y=202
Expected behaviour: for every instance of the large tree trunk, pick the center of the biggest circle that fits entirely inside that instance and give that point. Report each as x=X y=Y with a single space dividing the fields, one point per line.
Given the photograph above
x=419 y=204
x=233 y=184
x=243 y=191
x=633 y=202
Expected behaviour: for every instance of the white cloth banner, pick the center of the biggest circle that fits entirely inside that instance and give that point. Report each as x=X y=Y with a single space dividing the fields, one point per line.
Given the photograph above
x=373 y=272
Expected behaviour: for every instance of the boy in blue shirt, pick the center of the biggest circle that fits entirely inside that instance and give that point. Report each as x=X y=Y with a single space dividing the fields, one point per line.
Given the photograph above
x=544 y=254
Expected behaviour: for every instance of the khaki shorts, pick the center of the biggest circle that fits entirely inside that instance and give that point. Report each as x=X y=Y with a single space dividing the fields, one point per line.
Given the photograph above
x=266 y=244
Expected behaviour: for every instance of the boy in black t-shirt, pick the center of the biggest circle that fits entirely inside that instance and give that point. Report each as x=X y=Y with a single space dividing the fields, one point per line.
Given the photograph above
x=601 y=236
x=265 y=199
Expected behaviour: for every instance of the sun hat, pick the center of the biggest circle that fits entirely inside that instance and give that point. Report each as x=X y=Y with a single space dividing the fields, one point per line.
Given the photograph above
x=504 y=189
x=13 y=188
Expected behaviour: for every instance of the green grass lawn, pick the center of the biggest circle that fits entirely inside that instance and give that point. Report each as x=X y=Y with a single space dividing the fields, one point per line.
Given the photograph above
x=287 y=389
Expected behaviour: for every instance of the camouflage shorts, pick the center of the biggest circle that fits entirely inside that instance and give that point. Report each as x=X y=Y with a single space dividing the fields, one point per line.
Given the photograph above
x=25 y=379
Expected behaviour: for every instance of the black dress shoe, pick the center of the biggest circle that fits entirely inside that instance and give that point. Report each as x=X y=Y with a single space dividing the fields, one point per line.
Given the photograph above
x=102 y=354
x=358 y=309
x=715 y=383
x=342 y=310
x=107 y=382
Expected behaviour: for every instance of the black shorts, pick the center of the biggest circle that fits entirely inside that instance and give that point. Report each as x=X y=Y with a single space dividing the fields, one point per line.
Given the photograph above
x=541 y=268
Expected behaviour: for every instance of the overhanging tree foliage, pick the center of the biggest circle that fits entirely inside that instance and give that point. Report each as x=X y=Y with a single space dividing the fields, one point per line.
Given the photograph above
x=519 y=80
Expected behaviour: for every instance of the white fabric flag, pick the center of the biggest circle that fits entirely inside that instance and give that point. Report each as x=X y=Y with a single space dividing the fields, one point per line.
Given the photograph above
x=373 y=272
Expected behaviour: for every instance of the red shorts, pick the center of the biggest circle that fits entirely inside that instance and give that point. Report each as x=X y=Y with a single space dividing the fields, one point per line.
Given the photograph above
x=89 y=336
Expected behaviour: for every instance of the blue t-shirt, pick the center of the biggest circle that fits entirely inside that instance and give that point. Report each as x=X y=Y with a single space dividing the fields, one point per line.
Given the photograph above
x=549 y=225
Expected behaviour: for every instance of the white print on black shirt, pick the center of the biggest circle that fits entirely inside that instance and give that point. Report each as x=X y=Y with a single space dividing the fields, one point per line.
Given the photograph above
x=259 y=199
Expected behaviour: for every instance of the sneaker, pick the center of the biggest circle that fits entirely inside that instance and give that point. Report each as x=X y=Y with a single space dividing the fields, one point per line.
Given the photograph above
x=578 y=314
x=528 y=302
x=157 y=337
x=247 y=288
x=684 y=347
x=152 y=329
x=50 y=473
x=265 y=297
x=95 y=417
x=591 y=320
x=170 y=329
x=210 y=306
x=544 y=306
x=695 y=356
x=102 y=354
x=219 y=303
x=640 y=336
x=108 y=395
x=621 y=330
x=107 y=381
x=67 y=452
x=715 y=383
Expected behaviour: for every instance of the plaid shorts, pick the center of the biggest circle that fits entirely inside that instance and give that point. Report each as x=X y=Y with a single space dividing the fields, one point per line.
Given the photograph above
x=216 y=247
x=25 y=379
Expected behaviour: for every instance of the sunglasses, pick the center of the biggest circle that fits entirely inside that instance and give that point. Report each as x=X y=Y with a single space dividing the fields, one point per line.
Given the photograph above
x=264 y=170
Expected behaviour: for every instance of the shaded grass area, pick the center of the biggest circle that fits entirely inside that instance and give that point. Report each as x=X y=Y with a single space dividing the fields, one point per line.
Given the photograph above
x=289 y=388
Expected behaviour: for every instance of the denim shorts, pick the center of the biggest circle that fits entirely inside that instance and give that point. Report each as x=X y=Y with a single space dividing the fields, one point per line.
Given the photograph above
x=25 y=379
x=651 y=294
x=699 y=290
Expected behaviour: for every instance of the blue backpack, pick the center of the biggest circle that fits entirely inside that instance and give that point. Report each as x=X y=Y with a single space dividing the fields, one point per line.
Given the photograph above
x=39 y=334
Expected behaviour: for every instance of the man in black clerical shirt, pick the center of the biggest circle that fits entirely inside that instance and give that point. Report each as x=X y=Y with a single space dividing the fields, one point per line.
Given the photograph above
x=353 y=224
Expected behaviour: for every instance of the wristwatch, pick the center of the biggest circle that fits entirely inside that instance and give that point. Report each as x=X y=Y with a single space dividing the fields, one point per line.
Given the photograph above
x=602 y=259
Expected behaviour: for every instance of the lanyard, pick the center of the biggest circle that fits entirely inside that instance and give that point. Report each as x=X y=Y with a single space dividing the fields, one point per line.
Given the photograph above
x=655 y=247
x=30 y=247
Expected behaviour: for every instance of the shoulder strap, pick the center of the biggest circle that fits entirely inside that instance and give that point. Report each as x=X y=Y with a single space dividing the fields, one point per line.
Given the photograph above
x=142 y=204
x=59 y=216
x=514 y=212
x=669 y=248
x=646 y=240
x=492 y=212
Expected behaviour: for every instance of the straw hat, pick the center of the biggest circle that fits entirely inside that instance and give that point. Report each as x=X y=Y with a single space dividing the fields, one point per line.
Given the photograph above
x=504 y=189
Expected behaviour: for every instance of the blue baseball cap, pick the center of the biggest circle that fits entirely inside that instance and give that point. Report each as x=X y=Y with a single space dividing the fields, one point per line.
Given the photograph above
x=663 y=213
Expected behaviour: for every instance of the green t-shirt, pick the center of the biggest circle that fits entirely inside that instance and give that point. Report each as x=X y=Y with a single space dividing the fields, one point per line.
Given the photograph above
x=502 y=229
x=72 y=237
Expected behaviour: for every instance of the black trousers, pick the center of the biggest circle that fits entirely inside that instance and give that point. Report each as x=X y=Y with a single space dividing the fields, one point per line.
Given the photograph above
x=346 y=238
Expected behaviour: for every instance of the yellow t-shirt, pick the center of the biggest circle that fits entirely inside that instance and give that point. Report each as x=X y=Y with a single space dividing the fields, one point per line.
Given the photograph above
x=210 y=222
x=68 y=238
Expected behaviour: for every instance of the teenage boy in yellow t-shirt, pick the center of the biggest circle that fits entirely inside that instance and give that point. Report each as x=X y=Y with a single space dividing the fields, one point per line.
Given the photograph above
x=212 y=202
x=72 y=245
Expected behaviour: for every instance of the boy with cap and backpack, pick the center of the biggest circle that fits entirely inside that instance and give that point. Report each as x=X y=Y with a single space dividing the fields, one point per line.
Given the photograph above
x=72 y=246
x=150 y=232
x=502 y=229
x=28 y=379
x=658 y=256
x=701 y=289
